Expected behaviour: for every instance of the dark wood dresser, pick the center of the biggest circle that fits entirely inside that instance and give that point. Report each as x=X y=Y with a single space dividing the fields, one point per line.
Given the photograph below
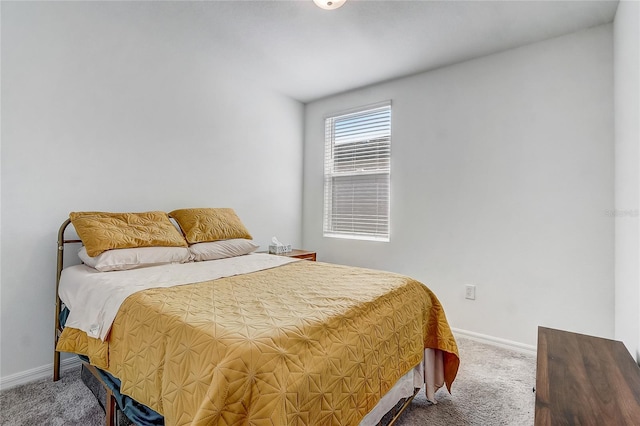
x=585 y=380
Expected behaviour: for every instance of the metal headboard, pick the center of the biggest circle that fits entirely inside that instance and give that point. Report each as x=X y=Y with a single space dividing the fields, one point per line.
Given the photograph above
x=57 y=328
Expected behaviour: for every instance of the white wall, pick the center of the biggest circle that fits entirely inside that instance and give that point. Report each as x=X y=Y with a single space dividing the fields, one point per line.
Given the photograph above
x=627 y=178
x=502 y=174
x=103 y=109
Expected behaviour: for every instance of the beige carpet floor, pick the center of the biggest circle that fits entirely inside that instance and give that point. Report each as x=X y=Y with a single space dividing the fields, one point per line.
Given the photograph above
x=494 y=387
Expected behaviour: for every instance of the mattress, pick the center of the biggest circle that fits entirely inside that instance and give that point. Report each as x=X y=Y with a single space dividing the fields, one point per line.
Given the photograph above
x=304 y=342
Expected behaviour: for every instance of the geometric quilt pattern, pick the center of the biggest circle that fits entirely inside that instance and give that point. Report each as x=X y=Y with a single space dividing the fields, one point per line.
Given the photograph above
x=306 y=343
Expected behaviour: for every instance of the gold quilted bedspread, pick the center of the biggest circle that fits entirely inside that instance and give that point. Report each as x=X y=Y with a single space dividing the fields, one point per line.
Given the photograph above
x=306 y=343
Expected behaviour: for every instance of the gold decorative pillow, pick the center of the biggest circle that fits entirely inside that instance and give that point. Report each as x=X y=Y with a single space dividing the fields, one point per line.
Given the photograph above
x=203 y=225
x=102 y=231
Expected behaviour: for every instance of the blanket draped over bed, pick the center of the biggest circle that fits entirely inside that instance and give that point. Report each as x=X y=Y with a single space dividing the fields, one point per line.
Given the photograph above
x=304 y=343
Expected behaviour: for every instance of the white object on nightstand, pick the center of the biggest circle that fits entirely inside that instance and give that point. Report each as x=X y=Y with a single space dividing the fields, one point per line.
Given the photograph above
x=276 y=247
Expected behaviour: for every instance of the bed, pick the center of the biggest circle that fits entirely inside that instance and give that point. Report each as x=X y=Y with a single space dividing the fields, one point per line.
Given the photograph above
x=251 y=338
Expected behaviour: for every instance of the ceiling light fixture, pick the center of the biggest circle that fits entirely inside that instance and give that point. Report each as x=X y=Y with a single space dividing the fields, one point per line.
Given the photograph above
x=329 y=4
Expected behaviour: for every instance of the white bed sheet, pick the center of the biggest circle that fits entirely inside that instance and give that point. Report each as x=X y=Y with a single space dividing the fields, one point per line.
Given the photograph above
x=94 y=297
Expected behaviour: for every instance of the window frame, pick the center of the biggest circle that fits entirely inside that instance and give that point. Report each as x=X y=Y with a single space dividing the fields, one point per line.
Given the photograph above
x=367 y=150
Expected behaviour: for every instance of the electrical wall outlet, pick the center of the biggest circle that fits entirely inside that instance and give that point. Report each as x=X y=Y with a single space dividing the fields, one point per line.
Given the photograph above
x=470 y=292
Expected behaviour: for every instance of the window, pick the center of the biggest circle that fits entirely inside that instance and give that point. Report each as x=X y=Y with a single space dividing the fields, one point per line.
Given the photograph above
x=357 y=174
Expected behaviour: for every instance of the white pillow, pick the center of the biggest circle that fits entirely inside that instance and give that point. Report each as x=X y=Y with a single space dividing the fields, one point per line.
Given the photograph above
x=222 y=249
x=131 y=258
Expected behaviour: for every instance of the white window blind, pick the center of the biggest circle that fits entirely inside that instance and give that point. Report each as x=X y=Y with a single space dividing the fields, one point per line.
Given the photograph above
x=357 y=174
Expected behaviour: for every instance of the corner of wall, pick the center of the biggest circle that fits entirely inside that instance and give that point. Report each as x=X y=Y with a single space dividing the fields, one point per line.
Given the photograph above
x=626 y=47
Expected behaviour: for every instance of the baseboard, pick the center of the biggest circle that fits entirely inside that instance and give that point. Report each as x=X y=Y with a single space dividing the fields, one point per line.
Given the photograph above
x=495 y=341
x=37 y=373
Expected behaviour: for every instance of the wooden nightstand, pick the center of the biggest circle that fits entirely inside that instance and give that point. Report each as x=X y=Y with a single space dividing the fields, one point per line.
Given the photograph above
x=300 y=254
